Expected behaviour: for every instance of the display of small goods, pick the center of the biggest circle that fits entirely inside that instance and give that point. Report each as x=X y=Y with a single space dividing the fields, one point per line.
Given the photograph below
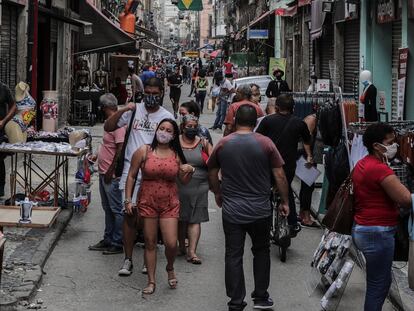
x=40 y=146
x=83 y=195
x=331 y=262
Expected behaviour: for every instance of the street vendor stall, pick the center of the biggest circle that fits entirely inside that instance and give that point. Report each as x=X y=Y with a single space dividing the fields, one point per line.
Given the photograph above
x=56 y=177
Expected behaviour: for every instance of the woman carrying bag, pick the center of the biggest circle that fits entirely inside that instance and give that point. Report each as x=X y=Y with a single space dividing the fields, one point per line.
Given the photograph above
x=378 y=195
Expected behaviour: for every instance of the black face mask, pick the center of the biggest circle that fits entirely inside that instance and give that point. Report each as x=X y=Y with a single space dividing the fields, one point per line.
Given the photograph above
x=190 y=133
x=152 y=101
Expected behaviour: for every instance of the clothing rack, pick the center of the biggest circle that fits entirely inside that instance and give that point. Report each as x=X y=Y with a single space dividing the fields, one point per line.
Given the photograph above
x=360 y=127
x=320 y=94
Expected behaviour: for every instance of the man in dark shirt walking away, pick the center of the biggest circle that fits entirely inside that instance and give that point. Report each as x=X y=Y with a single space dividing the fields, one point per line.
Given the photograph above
x=247 y=161
x=286 y=131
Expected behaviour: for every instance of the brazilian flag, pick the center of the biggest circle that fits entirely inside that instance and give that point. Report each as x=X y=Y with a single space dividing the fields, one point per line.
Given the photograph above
x=190 y=5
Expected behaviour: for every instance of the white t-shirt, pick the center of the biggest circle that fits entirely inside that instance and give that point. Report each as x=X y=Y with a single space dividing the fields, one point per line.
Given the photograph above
x=228 y=86
x=142 y=133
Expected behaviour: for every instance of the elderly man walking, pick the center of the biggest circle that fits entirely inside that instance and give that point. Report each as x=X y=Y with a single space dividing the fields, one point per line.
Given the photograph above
x=111 y=196
x=247 y=161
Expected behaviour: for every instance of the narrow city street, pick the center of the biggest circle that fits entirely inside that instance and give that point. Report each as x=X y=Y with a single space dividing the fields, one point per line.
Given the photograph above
x=78 y=279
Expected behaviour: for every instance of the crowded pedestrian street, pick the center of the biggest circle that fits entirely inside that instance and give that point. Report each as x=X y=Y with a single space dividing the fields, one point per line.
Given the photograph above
x=78 y=279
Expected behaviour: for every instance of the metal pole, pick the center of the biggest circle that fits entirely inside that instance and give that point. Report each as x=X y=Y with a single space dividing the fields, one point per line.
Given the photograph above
x=34 y=48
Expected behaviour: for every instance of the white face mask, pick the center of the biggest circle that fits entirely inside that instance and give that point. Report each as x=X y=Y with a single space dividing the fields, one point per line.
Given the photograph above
x=164 y=137
x=391 y=151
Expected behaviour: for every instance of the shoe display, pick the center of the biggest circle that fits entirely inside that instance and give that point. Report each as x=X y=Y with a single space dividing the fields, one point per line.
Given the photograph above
x=100 y=246
x=127 y=267
x=113 y=250
x=263 y=304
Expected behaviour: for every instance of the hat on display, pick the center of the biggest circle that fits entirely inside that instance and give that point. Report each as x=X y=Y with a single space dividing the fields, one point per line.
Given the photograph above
x=277 y=69
x=21 y=91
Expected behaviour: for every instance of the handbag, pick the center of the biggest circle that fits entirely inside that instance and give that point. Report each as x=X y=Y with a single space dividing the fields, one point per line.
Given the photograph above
x=119 y=167
x=402 y=242
x=340 y=215
x=204 y=154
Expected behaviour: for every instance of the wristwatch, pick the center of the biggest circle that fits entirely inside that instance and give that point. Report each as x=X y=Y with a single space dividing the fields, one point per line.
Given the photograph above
x=127 y=201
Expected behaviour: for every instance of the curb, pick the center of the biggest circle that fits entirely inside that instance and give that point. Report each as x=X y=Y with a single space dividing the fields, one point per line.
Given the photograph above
x=33 y=277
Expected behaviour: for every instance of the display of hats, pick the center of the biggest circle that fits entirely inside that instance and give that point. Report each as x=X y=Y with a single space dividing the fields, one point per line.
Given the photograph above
x=21 y=91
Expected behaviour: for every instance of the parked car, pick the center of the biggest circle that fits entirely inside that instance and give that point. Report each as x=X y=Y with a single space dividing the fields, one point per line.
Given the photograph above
x=261 y=81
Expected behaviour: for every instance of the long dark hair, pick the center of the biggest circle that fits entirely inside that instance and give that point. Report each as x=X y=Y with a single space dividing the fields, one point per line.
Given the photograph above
x=175 y=143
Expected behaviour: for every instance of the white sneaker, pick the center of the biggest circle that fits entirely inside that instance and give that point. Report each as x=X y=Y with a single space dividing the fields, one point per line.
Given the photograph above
x=126 y=269
x=144 y=269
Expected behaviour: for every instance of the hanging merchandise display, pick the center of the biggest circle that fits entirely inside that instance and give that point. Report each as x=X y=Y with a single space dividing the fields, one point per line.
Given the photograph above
x=49 y=108
x=331 y=268
x=396 y=45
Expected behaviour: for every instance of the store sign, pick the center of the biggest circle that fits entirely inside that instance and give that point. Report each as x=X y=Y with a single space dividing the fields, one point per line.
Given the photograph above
x=191 y=54
x=258 y=34
x=402 y=79
x=386 y=11
x=323 y=85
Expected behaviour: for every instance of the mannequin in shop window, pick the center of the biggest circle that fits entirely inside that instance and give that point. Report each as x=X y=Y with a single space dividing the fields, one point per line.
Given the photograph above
x=83 y=76
x=101 y=78
x=369 y=97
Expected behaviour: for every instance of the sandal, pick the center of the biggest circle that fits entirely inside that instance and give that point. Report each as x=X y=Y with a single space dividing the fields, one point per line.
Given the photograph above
x=172 y=280
x=150 y=289
x=194 y=260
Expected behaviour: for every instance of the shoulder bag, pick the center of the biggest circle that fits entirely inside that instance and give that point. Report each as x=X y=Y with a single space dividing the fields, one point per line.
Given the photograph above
x=119 y=167
x=340 y=215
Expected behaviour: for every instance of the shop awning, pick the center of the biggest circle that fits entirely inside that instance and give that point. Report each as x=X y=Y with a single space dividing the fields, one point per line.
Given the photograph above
x=285 y=8
x=152 y=46
x=261 y=17
x=304 y=2
x=107 y=36
x=215 y=54
x=151 y=34
x=59 y=14
x=317 y=19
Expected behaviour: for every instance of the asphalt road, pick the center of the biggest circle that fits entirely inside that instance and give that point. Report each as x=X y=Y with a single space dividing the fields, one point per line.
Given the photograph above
x=78 y=279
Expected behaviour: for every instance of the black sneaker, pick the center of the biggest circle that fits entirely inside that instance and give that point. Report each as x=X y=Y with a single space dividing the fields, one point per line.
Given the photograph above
x=263 y=304
x=113 y=250
x=100 y=246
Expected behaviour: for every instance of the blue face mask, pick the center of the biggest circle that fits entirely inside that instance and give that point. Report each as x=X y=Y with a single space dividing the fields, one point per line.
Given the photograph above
x=365 y=83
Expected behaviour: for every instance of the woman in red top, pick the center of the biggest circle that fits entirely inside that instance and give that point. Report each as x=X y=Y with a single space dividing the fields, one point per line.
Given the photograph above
x=378 y=196
x=158 y=202
x=228 y=68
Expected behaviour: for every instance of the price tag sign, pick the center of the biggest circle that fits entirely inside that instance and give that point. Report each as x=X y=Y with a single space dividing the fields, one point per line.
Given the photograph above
x=323 y=85
x=382 y=100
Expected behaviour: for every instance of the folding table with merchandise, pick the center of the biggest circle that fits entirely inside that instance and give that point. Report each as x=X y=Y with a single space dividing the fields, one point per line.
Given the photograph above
x=55 y=176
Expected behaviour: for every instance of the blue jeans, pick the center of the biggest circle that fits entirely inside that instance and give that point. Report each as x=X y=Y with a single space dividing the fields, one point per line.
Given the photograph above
x=377 y=244
x=221 y=113
x=111 y=200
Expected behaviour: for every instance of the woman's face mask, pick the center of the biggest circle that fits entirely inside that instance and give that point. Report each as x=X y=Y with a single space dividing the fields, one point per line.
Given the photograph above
x=391 y=151
x=164 y=137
